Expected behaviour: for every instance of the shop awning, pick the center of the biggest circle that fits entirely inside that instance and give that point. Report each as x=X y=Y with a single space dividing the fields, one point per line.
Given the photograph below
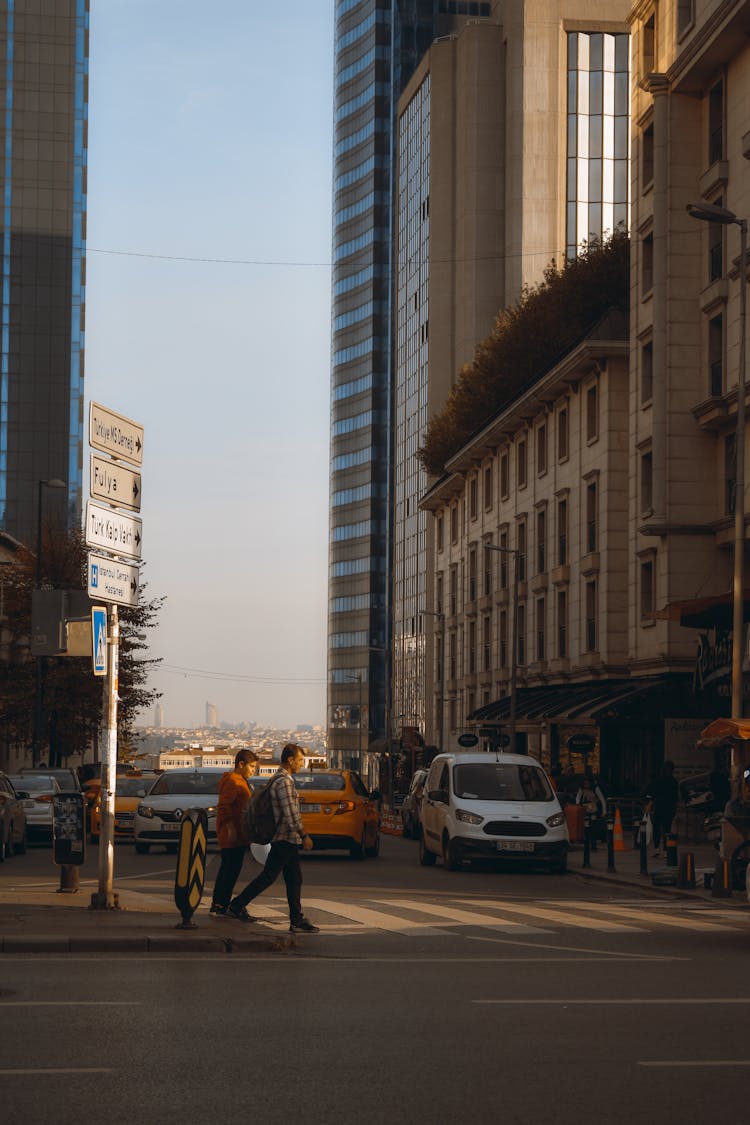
x=722 y=730
x=714 y=610
x=596 y=701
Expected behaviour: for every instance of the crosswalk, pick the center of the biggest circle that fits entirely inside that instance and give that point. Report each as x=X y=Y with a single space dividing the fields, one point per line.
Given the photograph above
x=424 y=918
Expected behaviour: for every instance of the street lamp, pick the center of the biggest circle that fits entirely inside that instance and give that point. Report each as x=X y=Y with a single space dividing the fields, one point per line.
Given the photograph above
x=513 y=641
x=40 y=660
x=711 y=213
x=441 y=684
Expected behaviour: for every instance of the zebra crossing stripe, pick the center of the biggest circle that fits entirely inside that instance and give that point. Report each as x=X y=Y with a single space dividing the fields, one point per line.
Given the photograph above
x=466 y=917
x=375 y=918
x=563 y=918
x=656 y=917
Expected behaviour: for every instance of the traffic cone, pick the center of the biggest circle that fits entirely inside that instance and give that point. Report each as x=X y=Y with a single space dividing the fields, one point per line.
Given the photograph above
x=619 y=839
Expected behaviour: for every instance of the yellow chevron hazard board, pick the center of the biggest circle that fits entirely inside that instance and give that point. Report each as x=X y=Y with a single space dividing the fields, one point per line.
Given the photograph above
x=191 y=864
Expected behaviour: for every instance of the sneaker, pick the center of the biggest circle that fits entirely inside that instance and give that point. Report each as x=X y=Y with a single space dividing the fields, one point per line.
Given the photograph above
x=239 y=913
x=217 y=911
x=303 y=927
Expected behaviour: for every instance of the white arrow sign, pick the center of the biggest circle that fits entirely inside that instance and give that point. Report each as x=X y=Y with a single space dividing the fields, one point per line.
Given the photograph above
x=114 y=531
x=111 y=580
x=115 y=434
x=115 y=483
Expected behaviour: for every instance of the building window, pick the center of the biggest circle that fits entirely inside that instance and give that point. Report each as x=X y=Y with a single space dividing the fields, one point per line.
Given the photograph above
x=562 y=434
x=487 y=571
x=521 y=463
x=648 y=597
x=716 y=355
x=647 y=156
x=562 y=622
x=540 y=628
x=521 y=638
x=591 y=616
x=487 y=487
x=439 y=532
x=453 y=606
x=472 y=647
x=647 y=262
x=592 y=413
x=473 y=498
x=504 y=476
x=454 y=523
x=562 y=532
x=647 y=54
x=716 y=247
x=647 y=490
x=684 y=15
x=503 y=560
x=502 y=638
x=716 y=122
x=647 y=371
x=591 y=518
x=473 y=574
x=521 y=548
x=452 y=656
x=439 y=594
x=541 y=449
x=486 y=644
x=541 y=541
x=730 y=474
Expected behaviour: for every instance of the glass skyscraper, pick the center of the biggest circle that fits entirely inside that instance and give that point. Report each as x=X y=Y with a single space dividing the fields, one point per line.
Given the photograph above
x=43 y=141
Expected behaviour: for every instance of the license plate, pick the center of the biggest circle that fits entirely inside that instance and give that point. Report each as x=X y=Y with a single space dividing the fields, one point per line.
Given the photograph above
x=515 y=846
x=170 y=827
x=309 y=808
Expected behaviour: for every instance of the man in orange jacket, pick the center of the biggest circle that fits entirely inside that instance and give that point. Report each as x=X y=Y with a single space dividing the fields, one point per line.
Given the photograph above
x=234 y=793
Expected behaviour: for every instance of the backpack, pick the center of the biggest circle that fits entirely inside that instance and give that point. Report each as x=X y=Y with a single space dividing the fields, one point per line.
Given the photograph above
x=259 y=821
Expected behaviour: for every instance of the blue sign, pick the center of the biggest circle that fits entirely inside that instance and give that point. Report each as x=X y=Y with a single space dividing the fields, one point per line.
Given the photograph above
x=99 y=640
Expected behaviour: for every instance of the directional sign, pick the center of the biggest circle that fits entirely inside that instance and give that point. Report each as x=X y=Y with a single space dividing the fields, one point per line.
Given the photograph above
x=114 y=531
x=112 y=580
x=115 y=483
x=99 y=640
x=112 y=433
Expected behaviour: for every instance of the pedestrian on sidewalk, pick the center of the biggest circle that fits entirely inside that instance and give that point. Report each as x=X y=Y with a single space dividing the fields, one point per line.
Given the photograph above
x=284 y=855
x=234 y=793
x=663 y=793
x=594 y=804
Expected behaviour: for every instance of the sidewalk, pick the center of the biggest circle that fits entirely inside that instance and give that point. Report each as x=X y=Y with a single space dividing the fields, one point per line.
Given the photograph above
x=42 y=920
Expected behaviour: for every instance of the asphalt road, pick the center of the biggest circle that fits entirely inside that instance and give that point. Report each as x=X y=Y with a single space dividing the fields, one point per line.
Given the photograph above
x=478 y=996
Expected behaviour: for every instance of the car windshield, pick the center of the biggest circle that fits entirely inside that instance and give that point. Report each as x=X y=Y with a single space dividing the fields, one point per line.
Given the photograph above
x=186 y=783
x=132 y=786
x=36 y=784
x=497 y=781
x=66 y=779
x=327 y=781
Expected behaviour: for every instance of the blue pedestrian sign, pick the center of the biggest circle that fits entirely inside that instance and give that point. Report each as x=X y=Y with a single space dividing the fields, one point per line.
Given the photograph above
x=99 y=640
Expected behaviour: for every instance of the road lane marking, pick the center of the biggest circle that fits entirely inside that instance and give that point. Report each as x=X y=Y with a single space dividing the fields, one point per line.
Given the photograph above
x=70 y=1003
x=600 y=953
x=4 y=1072
x=376 y=918
x=650 y=1000
x=465 y=917
x=563 y=918
x=694 y=924
x=695 y=1062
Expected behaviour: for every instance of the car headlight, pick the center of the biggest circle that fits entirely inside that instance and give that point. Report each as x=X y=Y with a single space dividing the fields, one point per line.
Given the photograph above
x=555 y=820
x=145 y=810
x=468 y=817
x=211 y=811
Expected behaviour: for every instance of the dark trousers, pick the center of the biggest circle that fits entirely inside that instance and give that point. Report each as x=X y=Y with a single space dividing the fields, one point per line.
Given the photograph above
x=228 y=874
x=661 y=820
x=283 y=859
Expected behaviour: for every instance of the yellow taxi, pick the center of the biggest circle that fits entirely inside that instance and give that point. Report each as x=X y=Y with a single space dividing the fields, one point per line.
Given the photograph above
x=129 y=792
x=338 y=811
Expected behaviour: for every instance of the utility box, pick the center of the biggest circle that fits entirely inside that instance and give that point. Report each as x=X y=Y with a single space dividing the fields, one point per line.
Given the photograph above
x=51 y=610
x=574 y=818
x=68 y=828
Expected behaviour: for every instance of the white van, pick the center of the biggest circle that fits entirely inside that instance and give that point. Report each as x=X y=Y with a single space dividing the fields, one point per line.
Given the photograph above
x=482 y=805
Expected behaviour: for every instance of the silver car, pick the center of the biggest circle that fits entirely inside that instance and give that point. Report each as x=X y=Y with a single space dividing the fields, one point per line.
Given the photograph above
x=36 y=791
x=159 y=816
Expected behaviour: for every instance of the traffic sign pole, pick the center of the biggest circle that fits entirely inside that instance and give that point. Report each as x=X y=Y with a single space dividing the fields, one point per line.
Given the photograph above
x=105 y=898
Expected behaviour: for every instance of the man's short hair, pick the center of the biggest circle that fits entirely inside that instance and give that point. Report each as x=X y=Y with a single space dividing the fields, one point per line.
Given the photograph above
x=243 y=756
x=290 y=751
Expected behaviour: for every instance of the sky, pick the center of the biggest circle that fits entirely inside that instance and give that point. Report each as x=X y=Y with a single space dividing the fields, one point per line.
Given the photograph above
x=210 y=132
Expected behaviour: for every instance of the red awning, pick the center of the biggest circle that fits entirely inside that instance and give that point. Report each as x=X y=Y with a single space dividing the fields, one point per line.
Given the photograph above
x=724 y=730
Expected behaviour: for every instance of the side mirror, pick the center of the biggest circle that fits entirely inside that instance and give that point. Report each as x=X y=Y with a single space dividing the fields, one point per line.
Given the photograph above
x=439 y=795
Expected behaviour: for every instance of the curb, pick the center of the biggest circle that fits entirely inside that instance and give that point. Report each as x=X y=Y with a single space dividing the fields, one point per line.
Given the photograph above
x=144 y=943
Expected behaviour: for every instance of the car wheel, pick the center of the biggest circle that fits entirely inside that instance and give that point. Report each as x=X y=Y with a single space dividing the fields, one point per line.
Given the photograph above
x=426 y=857
x=142 y=849
x=560 y=866
x=358 y=851
x=375 y=849
x=451 y=856
x=3 y=850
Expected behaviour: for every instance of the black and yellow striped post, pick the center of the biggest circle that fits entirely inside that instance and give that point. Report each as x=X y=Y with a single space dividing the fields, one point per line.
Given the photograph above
x=191 y=865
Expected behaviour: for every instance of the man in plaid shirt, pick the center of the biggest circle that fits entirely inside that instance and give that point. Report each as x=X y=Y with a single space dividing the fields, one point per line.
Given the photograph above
x=284 y=854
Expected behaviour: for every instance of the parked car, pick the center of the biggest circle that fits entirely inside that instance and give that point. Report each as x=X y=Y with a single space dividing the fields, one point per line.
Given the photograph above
x=130 y=790
x=159 y=815
x=412 y=804
x=37 y=792
x=338 y=811
x=66 y=779
x=482 y=805
x=12 y=820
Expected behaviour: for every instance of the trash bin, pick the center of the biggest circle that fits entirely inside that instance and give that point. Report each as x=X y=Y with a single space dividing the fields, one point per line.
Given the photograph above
x=574 y=818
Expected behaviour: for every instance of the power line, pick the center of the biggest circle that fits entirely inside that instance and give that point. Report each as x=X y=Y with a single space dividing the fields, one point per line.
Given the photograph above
x=234 y=677
x=214 y=261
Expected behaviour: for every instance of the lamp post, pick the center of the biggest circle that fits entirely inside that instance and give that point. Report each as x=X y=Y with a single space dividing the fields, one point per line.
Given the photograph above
x=441 y=683
x=711 y=213
x=513 y=640
x=40 y=660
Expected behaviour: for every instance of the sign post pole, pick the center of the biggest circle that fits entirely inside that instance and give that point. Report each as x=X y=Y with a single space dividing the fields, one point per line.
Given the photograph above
x=104 y=898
